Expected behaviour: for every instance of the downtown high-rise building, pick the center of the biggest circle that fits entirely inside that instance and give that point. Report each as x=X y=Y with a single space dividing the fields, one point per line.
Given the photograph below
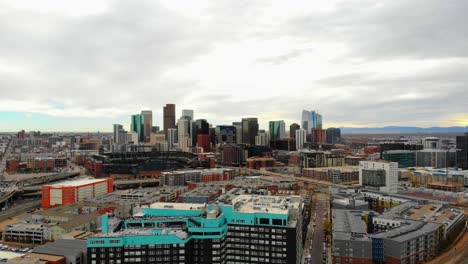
x=184 y=129
x=277 y=129
x=172 y=139
x=188 y=112
x=249 y=130
x=311 y=120
x=333 y=135
x=169 y=117
x=301 y=137
x=202 y=132
x=292 y=130
x=137 y=125
x=147 y=124
x=462 y=151
x=120 y=135
x=318 y=136
x=262 y=139
x=238 y=126
x=225 y=134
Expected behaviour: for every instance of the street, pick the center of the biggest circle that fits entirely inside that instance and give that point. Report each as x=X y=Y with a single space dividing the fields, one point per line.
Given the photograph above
x=317 y=238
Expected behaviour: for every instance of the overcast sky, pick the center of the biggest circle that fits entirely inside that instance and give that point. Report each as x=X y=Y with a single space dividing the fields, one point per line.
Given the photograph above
x=84 y=65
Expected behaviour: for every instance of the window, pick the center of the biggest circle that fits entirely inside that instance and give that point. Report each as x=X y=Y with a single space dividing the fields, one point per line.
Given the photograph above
x=264 y=221
x=277 y=222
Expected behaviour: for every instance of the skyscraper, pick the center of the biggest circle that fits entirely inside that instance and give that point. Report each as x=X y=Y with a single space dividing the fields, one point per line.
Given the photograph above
x=238 y=126
x=333 y=135
x=262 y=139
x=226 y=134
x=120 y=135
x=462 y=151
x=202 y=132
x=277 y=129
x=171 y=138
x=188 y=112
x=147 y=124
x=300 y=136
x=292 y=130
x=318 y=136
x=249 y=130
x=183 y=130
x=117 y=127
x=202 y=127
x=169 y=117
x=137 y=125
x=310 y=120
x=188 y=115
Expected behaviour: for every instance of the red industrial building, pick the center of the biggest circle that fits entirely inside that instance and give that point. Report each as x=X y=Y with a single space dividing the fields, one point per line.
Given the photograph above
x=12 y=165
x=70 y=192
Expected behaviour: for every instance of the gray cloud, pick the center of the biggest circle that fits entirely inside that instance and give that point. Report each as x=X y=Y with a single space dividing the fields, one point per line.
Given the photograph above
x=393 y=29
x=127 y=58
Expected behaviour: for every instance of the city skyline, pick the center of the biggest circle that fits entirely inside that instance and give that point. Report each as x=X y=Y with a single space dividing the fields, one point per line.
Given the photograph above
x=82 y=66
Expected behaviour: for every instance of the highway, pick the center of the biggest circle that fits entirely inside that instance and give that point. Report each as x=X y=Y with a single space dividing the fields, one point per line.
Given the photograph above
x=19 y=208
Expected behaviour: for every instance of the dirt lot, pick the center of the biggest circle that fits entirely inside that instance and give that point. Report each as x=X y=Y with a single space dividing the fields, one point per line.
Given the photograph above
x=458 y=254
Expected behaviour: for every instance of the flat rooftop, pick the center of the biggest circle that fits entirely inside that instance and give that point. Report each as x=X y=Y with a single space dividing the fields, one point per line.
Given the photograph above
x=177 y=206
x=62 y=247
x=408 y=231
x=76 y=182
x=348 y=224
x=424 y=212
x=145 y=232
x=340 y=168
x=266 y=204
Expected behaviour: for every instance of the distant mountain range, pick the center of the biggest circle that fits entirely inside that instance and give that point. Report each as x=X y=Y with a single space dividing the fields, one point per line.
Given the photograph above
x=403 y=129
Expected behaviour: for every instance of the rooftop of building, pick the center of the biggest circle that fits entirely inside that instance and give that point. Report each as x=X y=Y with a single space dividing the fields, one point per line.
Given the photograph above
x=24 y=259
x=46 y=257
x=175 y=231
x=177 y=206
x=377 y=161
x=145 y=195
x=62 y=247
x=25 y=226
x=213 y=170
x=384 y=196
x=78 y=235
x=340 y=168
x=408 y=230
x=398 y=211
x=349 y=202
x=266 y=204
x=72 y=210
x=76 y=182
x=260 y=159
x=398 y=152
x=349 y=224
x=202 y=191
x=436 y=213
x=438 y=172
